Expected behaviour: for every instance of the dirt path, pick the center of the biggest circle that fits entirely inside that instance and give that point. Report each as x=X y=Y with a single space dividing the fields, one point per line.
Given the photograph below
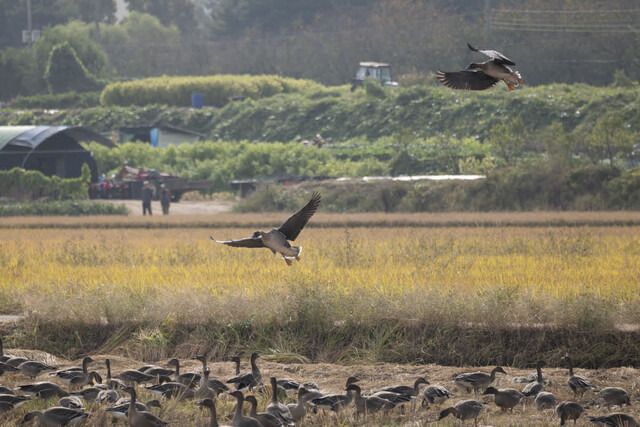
x=180 y=208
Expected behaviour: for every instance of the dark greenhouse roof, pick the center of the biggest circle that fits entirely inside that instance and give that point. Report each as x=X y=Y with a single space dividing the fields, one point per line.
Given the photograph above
x=32 y=136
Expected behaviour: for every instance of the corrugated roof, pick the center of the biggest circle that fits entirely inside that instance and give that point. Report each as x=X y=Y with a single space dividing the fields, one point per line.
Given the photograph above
x=32 y=136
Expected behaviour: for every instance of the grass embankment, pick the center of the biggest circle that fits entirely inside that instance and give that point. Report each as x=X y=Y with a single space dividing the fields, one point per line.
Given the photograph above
x=465 y=295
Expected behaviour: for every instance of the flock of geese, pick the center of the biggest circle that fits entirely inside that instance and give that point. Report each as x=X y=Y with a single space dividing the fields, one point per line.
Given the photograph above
x=118 y=394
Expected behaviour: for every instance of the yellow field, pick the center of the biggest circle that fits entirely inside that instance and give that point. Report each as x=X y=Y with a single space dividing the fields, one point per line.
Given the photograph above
x=505 y=275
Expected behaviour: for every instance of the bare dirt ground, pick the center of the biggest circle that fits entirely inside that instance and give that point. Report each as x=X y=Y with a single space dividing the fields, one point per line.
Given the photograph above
x=331 y=378
x=180 y=208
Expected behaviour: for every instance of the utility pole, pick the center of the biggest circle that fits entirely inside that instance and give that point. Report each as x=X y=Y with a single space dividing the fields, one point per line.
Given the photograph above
x=489 y=18
x=29 y=36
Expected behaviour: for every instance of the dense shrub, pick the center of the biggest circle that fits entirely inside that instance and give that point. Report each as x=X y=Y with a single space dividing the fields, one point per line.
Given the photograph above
x=216 y=90
x=33 y=184
x=65 y=72
x=63 y=208
x=59 y=101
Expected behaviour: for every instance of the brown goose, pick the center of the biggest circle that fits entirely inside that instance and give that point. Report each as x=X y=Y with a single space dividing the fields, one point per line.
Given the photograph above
x=615 y=420
x=209 y=403
x=266 y=419
x=190 y=379
x=249 y=380
x=44 y=390
x=505 y=398
x=239 y=420
x=615 y=396
x=333 y=402
x=476 y=380
x=121 y=408
x=32 y=369
x=13 y=399
x=204 y=391
x=216 y=385
x=569 y=411
x=436 y=394
x=79 y=378
x=577 y=383
x=544 y=400
x=140 y=418
x=299 y=410
x=369 y=404
x=277 y=409
x=532 y=389
x=482 y=75
x=277 y=240
x=113 y=383
x=407 y=390
x=57 y=416
x=464 y=410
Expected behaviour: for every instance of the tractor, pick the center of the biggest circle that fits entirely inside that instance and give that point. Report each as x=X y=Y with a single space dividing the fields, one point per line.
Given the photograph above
x=373 y=71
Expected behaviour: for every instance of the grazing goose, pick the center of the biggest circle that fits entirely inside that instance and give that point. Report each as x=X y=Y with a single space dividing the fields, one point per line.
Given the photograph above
x=6 y=407
x=476 y=380
x=544 y=400
x=204 y=391
x=13 y=399
x=569 y=411
x=4 y=367
x=615 y=396
x=505 y=398
x=32 y=369
x=211 y=404
x=89 y=394
x=395 y=398
x=6 y=390
x=157 y=370
x=436 y=394
x=407 y=390
x=236 y=361
x=44 y=390
x=577 y=383
x=615 y=420
x=57 y=416
x=15 y=361
x=532 y=389
x=277 y=409
x=140 y=418
x=121 y=409
x=299 y=410
x=190 y=379
x=265 y=418
x=71 y=402
x=482 y=75
x=239 y=420
x=249 y=380
x=369 y=404
x=333 y=402
x=216 y=385
x=131 y=376
x=464 y=410
x=277 y=239
x=172 y=390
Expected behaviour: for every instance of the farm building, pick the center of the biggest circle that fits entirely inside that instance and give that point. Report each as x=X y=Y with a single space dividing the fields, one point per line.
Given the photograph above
x=159 y=136
x=53 y=150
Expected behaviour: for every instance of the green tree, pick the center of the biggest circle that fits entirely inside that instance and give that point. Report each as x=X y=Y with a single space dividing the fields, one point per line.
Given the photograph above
x=18 y=73
x=97 y=11
x=66 y=73
x=181 y=13
x=609 y=139
x=559 y=145
x=508 y=140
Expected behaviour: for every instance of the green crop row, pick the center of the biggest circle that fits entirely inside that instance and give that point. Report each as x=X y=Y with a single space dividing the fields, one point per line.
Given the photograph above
x=216 y=90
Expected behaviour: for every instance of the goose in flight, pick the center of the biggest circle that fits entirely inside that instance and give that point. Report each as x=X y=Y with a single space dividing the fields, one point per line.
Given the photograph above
x=482 y=75
x=277 y=239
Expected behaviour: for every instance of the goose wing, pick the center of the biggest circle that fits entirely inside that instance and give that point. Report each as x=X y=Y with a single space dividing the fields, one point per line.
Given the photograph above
x=493 y=54
x=296 y=222
x=248 y=242
x=471 y=79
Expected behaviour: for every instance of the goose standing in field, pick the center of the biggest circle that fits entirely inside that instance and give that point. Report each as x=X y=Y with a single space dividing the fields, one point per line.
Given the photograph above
x=505 y=398
x=333 y=402
x=172 y=390
x=369 y=404
x=544 y=400
x=239 y=420
x=5 y=367
x=71 y=402
x=107 y=396
x=577 y=383
x=482 y=75
x=477 y=380
x=569 y=411
x=57 y=416
x=615 y=396
x=190 y=379
x=436 y=394
x=32 y=369
x=265 y=418
x=131 y=376
x=121 y=409
x=211 y=404
x=140 y=418
x=78 y=378
x=277 y=240
x=249 y=380
x=532 y=389
x=216 y=385
x=13 y=399
x=277 y=409
x=407 y=390
x=299 y=410
x=113 y=383
x=464 y=410
x=615 y=420
x=204 y=391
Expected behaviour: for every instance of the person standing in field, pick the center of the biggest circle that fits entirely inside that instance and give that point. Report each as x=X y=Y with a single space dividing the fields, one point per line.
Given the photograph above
x=147 y=195
x=165 y=199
